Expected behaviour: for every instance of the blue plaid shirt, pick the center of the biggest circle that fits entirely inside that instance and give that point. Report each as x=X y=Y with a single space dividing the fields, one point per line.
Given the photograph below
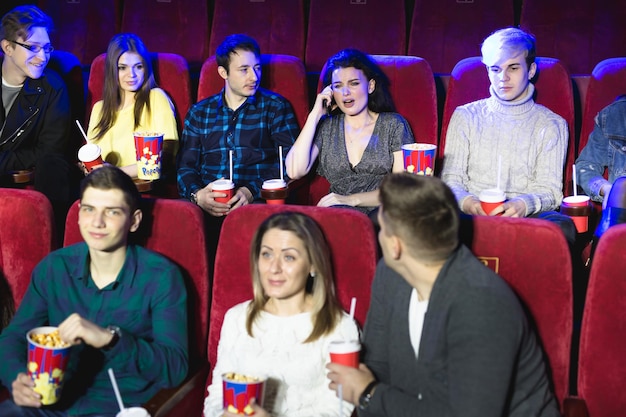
x=148 y=301
x=253 y=132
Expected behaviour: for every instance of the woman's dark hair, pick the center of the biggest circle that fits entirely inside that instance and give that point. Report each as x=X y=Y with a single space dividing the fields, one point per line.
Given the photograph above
x=111 y=95
x=380 y=99
x=7 y=306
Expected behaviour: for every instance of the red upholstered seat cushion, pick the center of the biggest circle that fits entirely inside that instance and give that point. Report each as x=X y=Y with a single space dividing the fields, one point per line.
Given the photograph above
x=532 y=255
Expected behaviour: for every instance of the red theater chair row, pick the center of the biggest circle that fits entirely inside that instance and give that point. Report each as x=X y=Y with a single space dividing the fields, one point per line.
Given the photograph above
x=540 y=274
x=578 y=32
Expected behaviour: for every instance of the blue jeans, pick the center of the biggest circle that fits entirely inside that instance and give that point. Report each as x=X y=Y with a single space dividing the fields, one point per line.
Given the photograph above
x=9 y=409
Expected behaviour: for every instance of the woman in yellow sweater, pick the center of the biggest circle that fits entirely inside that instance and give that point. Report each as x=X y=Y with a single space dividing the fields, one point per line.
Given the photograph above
x=131 y=102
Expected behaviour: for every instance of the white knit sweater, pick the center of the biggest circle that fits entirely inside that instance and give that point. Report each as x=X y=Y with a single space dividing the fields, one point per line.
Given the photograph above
x=297 y=384
x=530 y=139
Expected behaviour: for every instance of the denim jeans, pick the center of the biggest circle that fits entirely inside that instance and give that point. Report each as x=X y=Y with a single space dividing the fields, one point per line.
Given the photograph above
x=9 y=409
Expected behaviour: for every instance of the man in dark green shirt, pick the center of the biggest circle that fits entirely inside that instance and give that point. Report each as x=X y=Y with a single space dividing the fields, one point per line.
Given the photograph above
x=121 y=306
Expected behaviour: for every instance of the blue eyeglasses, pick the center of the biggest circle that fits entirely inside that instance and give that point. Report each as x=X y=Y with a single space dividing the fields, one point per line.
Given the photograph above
x=35 y=48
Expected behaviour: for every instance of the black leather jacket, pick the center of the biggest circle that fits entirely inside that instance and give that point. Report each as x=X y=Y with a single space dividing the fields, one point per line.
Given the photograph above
x=38 y=123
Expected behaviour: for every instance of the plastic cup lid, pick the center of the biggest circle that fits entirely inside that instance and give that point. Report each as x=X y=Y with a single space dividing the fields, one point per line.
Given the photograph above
x=222 y=185
x=274 y=184
x=492 y=195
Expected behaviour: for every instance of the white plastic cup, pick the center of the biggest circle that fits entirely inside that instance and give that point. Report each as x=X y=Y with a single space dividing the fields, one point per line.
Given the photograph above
x=491 y=198
x=345 y=352
x=223 y=186
x=90 y=155
x=133 y=412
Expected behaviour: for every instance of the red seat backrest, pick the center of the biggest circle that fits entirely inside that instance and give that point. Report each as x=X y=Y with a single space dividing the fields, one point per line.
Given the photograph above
x=539 y=271
x=412 y=87
x=277 y=25
x=171 y=73
x=180 y=27
x=350 y=236
x=607 y=82
x=282 y=74
x=444 y=32
x=374 y=26
x=27 y=235
x=580 y=33
x=601 y=360
x=175 y=229
x=469 y=82
x=83 y=28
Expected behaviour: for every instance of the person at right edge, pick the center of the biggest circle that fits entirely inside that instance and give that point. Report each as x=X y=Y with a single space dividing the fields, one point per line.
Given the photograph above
x=445 y=335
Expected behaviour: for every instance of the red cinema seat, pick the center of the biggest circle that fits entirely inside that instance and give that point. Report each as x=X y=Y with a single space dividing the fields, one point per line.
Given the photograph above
x=27 y=235
x=375 y=26
x=353 y=265
x=580 y=33
x=175 y=229
x=469 y=82
x=171 y=73
x=282 y=74
x=608 y=81
x=83 y=28
x=181 y=27
x=601 y=359
x=277 y=25
x=539 y=271
x=444 y=32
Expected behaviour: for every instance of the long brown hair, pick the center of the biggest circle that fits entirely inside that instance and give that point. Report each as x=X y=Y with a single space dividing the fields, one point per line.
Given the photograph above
x=326 y=309
x=111 y=94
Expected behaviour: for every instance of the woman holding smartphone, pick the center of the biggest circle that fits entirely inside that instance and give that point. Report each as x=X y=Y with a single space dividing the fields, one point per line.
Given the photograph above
x=354 y=131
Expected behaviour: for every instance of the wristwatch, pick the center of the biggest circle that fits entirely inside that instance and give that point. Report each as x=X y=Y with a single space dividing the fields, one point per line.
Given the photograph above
x=117 y=334
x=366 y=395
x=194 y=197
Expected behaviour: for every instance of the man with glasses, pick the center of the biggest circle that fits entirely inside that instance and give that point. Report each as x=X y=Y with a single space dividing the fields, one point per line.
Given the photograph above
x=36 y=119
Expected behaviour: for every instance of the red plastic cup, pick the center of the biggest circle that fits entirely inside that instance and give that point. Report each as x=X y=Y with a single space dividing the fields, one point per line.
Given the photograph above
x=223 y=186
x=578 y=209
x=345 y=352
x=46 y=366
x=148 y=147
x=238 y=393
x=490 y=199
x=90 y=155
x=274 y=191
x=419 y=158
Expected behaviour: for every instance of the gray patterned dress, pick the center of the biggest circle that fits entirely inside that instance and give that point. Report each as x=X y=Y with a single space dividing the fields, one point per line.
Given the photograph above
x=390 y=133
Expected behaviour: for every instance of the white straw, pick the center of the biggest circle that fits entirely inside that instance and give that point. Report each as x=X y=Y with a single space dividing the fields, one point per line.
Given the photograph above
x=280 y=159
x=352 y=307
x=116 y=389
x=574 y=178
x=82 y=131
x=499 y=171
x=340 y=395
x=230 y=158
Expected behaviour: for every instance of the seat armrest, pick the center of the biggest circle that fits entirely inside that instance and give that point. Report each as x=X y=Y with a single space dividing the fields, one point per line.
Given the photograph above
x=168 y=399
x=575 y=407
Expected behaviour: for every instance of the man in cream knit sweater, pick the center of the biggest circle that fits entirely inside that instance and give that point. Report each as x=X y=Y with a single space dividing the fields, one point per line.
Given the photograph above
x=530 y=140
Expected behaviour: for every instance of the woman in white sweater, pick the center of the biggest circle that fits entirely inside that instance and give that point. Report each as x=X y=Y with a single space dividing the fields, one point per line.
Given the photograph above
x=285 y=330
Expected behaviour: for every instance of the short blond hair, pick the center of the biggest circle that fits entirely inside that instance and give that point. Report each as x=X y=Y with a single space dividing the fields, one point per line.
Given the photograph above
x=512 y=41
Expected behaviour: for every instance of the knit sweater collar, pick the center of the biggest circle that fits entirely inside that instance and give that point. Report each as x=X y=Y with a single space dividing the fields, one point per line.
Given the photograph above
x=521 y=106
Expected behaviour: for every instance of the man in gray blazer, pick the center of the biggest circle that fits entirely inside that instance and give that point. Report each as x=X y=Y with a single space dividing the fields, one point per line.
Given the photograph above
x=445 y=335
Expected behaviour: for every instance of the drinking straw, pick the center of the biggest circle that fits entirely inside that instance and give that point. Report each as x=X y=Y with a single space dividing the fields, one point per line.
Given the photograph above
x=116 y=389
x=574 y=179
x=499 y=171
x=230 y=158
x=280 y=158
x=340 y=395
x=82 y=131
x=352 y=307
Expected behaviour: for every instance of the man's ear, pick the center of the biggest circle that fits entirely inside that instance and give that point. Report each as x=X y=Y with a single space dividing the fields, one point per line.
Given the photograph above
x=222 y=72
x=532 y=70
x=135 y=220
x=6 y=47
x=397 y=247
